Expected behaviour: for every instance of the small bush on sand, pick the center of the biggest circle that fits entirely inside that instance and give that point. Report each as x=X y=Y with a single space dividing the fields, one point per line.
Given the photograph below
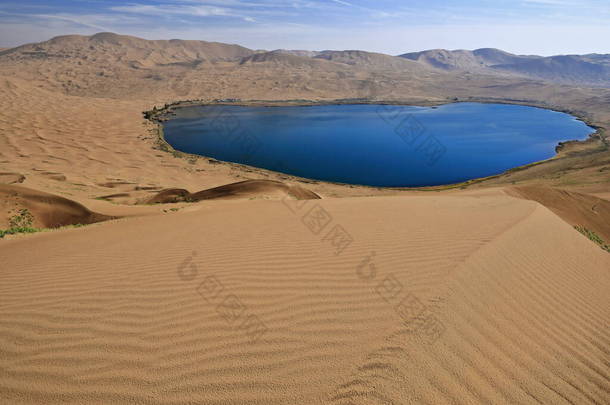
x=19 y=223
x=24 y=219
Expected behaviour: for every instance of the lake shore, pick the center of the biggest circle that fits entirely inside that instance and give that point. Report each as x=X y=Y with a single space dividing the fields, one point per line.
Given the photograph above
x=176 y=110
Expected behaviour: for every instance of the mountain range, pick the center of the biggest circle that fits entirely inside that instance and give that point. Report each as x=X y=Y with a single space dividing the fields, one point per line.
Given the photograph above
x=93 y=55
x=592 y=69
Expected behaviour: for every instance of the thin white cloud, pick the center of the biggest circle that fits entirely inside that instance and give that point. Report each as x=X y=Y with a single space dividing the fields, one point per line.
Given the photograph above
x=552 y=2
x=215 y=8
x=83 y=20
x=235 y=3
x=345 y=3
x=201 y=11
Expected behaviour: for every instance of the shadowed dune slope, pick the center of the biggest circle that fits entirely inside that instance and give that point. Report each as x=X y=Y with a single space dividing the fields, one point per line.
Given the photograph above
x=253 y=188
x=240 y=190
x=11 y=178
x=370 y=60
x=282 y=58
x=87 y=318
x=48 y=210
x=575 y=208
x=170 y=195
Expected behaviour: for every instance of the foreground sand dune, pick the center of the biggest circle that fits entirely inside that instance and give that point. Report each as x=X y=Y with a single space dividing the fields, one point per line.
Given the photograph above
x=438 y=299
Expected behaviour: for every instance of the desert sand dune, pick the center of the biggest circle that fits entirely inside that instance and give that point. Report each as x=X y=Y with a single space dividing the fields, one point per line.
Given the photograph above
x=48 y=210
x=247 y=189
x=87 y=318
x=575 y=208
x=244 y=189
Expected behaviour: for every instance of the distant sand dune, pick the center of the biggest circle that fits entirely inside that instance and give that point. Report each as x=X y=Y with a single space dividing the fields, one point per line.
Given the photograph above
x=253 y=188
x=244 y=189
x=87 y=318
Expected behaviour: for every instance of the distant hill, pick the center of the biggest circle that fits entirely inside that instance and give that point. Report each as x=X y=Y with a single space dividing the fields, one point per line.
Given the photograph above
x=493 y=56
x=591 y=69
x=281 y=58
x=572 y=69
x=358 y=59
x=445 y=60
x=111 y=65
x=305 y=54
x=476 y=60
x=367 y=60
x=128 y=50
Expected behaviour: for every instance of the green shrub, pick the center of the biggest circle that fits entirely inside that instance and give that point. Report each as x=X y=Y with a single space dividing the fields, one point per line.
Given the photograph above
x=593 y=237
x=19 y=223
x=14 y=231
x=24 y=219
x=22 y=223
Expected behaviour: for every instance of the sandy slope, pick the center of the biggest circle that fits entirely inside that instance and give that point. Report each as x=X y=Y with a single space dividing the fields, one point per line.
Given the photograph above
x=577 y=209
x=519 y=299
x=47 y=210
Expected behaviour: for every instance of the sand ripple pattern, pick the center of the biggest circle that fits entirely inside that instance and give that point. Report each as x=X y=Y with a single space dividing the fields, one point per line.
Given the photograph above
x=87 y=318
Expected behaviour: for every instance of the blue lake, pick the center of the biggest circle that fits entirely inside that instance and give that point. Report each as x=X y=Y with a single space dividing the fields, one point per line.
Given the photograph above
x=376 y=145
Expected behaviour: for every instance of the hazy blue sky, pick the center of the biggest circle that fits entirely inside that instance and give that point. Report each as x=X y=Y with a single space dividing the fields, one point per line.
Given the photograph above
x=522 y=26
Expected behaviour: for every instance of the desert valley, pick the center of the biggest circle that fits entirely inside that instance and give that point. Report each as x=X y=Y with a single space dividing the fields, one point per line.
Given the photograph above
x=132 y=272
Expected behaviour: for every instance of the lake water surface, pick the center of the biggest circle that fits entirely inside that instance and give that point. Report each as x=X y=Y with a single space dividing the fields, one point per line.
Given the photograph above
x=376 y=145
